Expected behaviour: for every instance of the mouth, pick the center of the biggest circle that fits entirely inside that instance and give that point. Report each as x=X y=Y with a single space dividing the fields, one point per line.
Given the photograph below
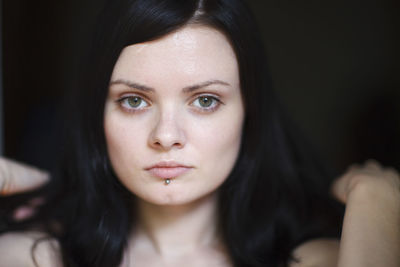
x=167 y=170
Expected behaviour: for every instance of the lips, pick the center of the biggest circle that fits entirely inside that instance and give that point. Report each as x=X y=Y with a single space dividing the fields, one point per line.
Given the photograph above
x=166 y=170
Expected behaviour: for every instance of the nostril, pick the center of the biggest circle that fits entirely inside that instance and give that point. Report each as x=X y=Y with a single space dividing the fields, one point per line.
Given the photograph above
x=178 y=144
x=166 y=138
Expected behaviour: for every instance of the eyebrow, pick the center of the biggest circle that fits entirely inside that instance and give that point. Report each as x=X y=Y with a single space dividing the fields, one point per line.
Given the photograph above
x=133 y=85
x=187 y=89
x=195 y=87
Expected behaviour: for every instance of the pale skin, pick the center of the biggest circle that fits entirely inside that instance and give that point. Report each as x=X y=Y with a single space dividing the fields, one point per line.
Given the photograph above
x=171 y=123
x=177 y=221
x=16 y=178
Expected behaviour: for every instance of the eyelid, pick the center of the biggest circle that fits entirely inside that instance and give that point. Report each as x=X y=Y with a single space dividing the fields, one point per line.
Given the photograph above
x=213 y=95
x=124 y=97
x=209 y=109
x=133 y=93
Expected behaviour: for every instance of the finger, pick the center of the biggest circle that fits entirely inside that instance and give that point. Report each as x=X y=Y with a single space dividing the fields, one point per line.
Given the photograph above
x=23 y=213
x=392 y=171
x=394 y=175
x=373 y=165
x=17 y=177
x=339 y=188
x=352 y=167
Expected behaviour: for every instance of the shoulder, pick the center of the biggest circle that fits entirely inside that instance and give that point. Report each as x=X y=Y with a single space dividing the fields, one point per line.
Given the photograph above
x=25 y=248
x=316 y=253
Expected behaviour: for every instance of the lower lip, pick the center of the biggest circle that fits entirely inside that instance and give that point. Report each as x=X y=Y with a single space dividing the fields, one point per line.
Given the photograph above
x=165 y=173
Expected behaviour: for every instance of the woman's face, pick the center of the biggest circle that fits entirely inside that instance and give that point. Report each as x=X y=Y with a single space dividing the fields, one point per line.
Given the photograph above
x=174 y=111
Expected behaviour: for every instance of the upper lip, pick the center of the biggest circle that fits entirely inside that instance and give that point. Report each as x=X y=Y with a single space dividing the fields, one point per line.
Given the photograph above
x=168 y=164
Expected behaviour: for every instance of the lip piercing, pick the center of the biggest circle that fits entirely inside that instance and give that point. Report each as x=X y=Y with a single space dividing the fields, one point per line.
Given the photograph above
x=167 y=181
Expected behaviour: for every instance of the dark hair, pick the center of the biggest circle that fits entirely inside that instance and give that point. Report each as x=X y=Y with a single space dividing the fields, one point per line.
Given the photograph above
x=277 y=195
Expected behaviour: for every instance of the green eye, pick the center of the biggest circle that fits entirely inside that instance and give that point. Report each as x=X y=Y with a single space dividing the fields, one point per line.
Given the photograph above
x=134 y=102
x=206 y=101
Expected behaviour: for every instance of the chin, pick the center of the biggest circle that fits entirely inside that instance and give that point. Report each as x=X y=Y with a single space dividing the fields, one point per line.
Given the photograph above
x=168 y=200
x=169 y=196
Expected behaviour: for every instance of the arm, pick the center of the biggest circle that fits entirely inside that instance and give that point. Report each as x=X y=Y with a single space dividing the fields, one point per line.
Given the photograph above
x=371 y=227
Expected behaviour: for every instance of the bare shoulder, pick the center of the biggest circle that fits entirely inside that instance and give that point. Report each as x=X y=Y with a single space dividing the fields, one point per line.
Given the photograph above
x=317 y=253
x=25 y=248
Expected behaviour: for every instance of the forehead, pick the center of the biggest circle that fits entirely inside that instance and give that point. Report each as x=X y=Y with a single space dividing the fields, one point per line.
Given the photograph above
x=191 y=54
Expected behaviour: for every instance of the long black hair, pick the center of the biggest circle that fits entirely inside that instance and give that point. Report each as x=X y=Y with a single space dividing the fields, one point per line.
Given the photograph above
x=277 y=195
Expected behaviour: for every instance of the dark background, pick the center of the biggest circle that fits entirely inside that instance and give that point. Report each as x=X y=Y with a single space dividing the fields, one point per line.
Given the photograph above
x=335 y=64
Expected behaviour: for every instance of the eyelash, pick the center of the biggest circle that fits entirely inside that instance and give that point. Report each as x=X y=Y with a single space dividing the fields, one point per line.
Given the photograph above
x=216 y=103
x=121 y=101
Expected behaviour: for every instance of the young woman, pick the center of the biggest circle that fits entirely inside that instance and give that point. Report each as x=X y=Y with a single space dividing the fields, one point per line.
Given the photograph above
x=180 y=155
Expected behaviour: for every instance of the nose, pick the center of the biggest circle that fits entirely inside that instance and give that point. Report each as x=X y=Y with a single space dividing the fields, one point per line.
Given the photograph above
x=167 y=132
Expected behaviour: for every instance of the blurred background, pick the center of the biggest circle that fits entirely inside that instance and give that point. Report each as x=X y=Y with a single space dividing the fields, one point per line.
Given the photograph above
x=334 y=63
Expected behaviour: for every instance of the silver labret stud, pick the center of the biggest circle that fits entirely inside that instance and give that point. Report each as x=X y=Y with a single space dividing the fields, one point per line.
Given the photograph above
x=167 y=181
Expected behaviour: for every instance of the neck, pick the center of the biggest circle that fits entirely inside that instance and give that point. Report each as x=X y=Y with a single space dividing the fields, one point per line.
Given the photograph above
x=173 y=230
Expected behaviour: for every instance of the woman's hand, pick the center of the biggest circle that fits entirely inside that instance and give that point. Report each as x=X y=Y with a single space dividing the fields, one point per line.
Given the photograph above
x=370 y=176
x=371 y=226
x=17 y=178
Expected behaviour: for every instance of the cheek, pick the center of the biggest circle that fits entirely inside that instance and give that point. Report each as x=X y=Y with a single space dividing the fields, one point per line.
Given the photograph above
x=218 y=143
x=125 y=143
x=223 y=138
